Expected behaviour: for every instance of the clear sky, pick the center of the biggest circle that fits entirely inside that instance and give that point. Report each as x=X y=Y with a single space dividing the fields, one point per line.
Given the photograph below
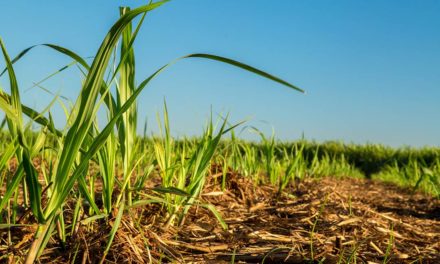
x=371 y=69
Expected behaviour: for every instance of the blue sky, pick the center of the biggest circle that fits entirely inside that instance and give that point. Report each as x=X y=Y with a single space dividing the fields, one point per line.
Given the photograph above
x=371 y=69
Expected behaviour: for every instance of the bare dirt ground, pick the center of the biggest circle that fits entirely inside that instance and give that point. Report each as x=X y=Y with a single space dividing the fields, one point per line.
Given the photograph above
x=327 y=220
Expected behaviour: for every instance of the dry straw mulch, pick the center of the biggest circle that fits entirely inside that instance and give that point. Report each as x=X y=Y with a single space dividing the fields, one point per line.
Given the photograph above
x=329 y=220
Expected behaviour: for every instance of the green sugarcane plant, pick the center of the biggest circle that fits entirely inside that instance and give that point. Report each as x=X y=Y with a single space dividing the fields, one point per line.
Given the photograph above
x=128 y=123
x=81 y=142
x=268 y=155
x=183 y=173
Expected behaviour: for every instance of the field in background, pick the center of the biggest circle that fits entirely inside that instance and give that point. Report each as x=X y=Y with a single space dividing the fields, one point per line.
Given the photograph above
x=269 y=160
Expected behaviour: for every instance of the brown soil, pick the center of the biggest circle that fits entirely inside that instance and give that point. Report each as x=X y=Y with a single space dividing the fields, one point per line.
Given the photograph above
x=327 y=219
